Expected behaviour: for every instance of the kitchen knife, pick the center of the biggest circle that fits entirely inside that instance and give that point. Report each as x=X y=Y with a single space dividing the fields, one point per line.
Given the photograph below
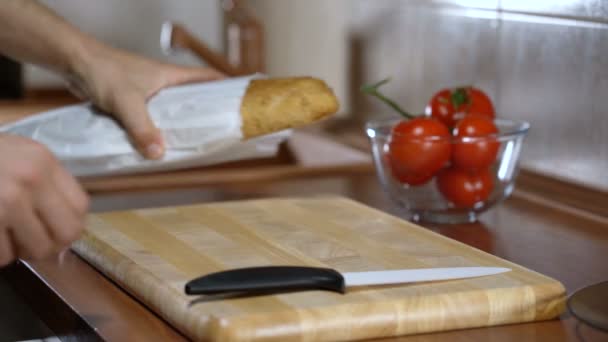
x=270 y=279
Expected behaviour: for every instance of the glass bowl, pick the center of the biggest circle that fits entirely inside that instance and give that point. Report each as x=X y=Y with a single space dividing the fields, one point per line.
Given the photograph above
x=437 y=200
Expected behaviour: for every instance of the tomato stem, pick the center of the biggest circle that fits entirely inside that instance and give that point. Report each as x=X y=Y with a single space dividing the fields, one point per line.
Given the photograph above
x=460 y=97
x=372 y=89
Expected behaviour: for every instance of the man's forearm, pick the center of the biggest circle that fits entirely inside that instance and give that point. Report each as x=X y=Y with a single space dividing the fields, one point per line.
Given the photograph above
x=30 y=32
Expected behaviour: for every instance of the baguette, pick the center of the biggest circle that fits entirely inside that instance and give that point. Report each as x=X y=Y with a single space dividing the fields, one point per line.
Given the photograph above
x=275 y=104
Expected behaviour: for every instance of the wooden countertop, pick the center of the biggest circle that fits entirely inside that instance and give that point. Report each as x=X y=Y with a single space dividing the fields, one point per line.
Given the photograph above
x=569 y=246
x=555 y=238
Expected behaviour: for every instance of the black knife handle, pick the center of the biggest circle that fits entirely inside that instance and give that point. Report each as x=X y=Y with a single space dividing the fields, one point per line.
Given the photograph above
x=267 y=279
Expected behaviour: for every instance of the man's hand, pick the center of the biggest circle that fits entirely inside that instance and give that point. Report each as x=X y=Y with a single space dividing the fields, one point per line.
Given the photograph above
x=120 y=83
x=42 y=207
x=116 y=81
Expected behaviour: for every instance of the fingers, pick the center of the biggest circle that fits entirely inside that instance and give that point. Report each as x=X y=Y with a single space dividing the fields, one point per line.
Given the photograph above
x=42 y=207
x=7 y=249
x=76 y=87
x=64 y=222
x=181 y=75
x=46 y=224
x=29 y=232
x=132 y=110
x=71 y=190
x=127 y=85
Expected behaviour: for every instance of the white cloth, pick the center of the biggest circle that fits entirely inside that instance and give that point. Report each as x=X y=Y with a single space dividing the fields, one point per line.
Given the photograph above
x=201 y=125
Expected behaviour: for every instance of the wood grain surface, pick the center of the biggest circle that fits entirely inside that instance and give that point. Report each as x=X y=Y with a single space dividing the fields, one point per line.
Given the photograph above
x=152 y=253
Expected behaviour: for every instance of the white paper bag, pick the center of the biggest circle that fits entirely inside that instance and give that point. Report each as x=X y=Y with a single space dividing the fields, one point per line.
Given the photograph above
x=201 y=125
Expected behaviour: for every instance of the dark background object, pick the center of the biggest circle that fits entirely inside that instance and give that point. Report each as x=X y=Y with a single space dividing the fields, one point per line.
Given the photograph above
x=590 y=305
x=11 y=79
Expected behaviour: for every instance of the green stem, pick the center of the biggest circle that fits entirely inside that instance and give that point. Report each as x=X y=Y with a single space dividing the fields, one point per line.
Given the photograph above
x=460 y=97
x=372 y=89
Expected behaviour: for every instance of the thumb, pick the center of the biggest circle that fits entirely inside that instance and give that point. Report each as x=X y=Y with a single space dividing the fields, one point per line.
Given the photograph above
x=132 y=112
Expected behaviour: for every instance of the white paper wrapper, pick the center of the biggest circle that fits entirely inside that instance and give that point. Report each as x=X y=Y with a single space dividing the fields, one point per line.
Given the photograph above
x=201 y=125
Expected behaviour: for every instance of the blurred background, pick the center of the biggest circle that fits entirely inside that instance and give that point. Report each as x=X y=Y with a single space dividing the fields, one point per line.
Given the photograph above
x=542 y=61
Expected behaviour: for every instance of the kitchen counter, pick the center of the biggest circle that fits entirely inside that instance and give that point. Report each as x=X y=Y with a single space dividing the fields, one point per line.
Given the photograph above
x=539 y=231
x=570 y=246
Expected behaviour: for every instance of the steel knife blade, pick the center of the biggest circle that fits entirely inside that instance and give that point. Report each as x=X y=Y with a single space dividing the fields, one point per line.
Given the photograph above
x=270 y=279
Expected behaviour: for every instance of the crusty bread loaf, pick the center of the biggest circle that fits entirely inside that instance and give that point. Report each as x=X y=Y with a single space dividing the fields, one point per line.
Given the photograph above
x=274 y=104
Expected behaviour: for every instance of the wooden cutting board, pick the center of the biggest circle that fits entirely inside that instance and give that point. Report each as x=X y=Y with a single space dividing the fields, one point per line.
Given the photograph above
x=152 y=253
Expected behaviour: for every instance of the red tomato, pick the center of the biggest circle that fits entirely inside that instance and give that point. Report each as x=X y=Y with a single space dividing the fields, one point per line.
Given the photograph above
x=441 y=107
x=411 y=178
x=451 y=105
x=418 y=149
x=477 y=154
x=464 y=188
x=478 y=103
